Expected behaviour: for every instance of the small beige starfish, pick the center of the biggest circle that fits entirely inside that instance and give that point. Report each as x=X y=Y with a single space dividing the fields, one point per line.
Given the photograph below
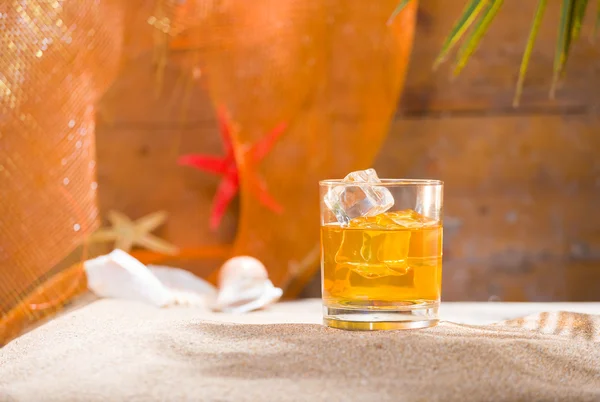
x=127 y=233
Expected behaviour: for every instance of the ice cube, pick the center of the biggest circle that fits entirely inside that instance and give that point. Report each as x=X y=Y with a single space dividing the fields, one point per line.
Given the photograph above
x=363 y=199
x=407 y=219
x=374 y=254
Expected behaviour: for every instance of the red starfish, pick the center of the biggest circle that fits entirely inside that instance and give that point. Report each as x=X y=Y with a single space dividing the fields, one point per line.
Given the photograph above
x=226 y=167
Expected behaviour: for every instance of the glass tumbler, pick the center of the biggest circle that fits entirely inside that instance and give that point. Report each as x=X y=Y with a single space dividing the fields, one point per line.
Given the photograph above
x=381 y=265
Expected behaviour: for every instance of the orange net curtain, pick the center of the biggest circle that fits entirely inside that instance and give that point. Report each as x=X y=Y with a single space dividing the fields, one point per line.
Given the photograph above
x=57 y=58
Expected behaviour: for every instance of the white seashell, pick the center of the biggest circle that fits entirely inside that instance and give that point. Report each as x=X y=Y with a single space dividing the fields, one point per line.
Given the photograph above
x=187 y=288
x=244 y=286
x=119 y=275
x=243 y=267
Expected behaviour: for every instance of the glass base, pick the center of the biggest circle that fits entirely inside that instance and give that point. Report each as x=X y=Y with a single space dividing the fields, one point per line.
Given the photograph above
x=370 y=319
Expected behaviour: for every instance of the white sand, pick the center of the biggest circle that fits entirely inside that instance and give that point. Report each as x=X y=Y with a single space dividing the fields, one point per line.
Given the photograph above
x=123 y=351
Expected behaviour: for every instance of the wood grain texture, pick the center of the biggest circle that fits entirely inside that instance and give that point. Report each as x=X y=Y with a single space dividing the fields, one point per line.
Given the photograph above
x=522 y=186
x=521 y=201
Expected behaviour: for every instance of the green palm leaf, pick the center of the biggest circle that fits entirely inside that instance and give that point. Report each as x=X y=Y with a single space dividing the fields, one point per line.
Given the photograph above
x=539 y=13
x=578 y=15
x=563 y=42
x=469 y=14
x=399 y=8
x=597 y=24
x=480 y=29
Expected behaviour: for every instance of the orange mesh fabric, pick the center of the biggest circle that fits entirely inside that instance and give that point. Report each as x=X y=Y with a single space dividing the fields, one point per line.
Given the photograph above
x=57 y=57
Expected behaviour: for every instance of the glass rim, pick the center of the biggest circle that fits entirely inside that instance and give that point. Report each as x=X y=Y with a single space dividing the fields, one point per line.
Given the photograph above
x=385 y=182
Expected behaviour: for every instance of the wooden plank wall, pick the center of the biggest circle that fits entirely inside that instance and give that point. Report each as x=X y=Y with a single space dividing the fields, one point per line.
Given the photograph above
x=522 y=185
